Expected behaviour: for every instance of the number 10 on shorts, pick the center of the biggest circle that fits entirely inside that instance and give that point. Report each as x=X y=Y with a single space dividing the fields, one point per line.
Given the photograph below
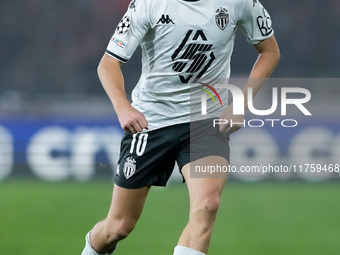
x=141 y=144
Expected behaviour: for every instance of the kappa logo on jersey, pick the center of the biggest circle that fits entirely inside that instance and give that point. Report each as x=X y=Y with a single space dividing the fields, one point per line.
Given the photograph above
x=265 y=23
x=129 y=167
x=123 y=25
x=165 y=20
x=222 y=18
x=197 y=51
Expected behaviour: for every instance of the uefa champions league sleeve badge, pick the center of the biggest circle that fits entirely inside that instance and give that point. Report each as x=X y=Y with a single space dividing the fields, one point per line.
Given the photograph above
x=123 y=25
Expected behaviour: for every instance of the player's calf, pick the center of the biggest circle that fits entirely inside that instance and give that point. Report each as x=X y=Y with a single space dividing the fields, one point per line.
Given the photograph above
x=105 y=235
x=118 y=230
x=89 y=250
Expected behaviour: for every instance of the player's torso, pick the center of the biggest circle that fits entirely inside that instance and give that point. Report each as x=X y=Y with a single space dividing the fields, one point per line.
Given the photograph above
x=190 y=40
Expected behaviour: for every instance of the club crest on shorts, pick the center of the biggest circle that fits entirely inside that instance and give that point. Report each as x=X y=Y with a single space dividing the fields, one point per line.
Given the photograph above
x=222 y=18
x=129 y=167
x=118 y=169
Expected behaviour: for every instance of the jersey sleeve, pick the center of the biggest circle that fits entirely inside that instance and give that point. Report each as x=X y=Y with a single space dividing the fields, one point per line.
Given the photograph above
x=255 y=22
x=129 y=32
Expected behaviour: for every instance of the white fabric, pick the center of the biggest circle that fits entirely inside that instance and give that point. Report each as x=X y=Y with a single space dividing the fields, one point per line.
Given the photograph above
x=182 y=45
x=182 y=250
x=88 y=250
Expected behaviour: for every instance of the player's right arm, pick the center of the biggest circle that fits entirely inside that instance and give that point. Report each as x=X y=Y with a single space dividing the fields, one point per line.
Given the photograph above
x=111 y=77
x=130 y=31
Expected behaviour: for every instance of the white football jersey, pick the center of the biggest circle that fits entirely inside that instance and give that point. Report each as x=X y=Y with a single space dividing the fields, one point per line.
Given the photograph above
x=186 y=47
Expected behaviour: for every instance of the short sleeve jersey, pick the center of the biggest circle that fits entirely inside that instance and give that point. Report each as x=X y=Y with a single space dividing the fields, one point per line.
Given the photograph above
x=186 y=50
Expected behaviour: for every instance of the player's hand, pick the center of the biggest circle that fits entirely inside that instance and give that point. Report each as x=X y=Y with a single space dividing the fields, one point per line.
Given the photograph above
x=131 y=120
x=234 y=122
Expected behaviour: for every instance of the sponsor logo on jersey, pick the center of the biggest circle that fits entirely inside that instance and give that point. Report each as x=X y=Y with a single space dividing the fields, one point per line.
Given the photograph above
x=192 y=60
x=123 y=25
x=165 y=19
x=129 y=167
x=265 y=23
x=222 y=18
x=118 y=42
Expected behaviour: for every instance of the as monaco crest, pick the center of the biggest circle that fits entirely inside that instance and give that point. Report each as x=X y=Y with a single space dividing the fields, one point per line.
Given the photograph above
x=222 y=18
x=129 y=167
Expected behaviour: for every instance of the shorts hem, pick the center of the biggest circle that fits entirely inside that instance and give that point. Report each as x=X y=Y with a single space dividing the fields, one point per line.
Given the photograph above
x=128 y=185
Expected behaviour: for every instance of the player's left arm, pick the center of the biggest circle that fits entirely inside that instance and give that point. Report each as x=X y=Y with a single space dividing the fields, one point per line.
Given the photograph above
x=269 y=56
x=268 y=59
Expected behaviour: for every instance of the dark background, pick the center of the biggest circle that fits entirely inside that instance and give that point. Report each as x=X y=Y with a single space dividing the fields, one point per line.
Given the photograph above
x=49 y=50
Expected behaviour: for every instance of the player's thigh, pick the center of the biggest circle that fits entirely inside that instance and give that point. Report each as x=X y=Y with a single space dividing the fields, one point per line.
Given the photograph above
x=202 y=189
x=127 y=203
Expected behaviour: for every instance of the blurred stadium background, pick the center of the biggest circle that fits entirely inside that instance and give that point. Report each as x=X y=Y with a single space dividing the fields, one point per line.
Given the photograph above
x=59 y=137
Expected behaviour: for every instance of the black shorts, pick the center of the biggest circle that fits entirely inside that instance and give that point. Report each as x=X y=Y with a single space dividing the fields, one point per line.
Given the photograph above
x=149 y=158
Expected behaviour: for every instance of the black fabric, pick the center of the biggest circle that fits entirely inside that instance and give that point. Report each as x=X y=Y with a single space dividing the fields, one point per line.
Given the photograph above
x=183 y=143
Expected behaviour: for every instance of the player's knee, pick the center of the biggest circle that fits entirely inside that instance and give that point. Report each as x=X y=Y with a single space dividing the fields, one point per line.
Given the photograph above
x=203 y=213
x=206 y=208
x=211 y=205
